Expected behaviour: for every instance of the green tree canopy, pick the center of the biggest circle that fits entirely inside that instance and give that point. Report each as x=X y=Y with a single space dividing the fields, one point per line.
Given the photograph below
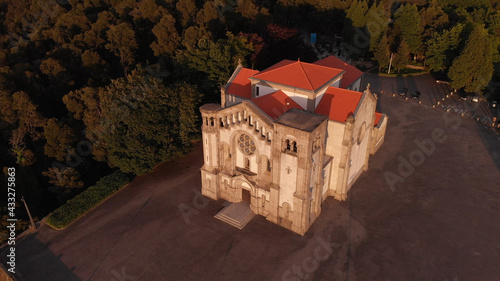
x=217 y=59
x=473 y=68
x=122 y=42
x=167 y=39
x=146 y=123
x=382 y=52
x=136 y=122
x=66 y=178
x=408 y=22
x=187 y=10
x=59 y=137
x=402 y=57
x=442 y=48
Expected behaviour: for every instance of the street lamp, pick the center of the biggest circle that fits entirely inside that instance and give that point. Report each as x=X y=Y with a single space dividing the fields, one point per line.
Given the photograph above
x=29 y=214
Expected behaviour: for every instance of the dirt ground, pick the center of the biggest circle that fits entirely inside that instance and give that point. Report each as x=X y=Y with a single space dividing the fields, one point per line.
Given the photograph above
x=435 y=219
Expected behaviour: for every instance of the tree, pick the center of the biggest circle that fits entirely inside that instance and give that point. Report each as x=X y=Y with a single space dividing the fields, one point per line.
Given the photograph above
x=187 y=10
x=7 y=114
x=24 y=157
x=95 y=37
x=167 y=39
x=473 y=68
x=121 y=41
x=382 y=53
x=257 y=44
x=376 y=23
x=146 y=123
x=30 y=121
x=86 y=105
x=207 y=14
x=52 y=67
x=403 y=56
x=67 y=178
x=148 y=9
x=68 y=25
x=408 y=22
x=194 y=36
x=217 y=59
x=432 y=18
x=59 y=137
x=356 y=13
x=247 y=9
x=280 y=33
x=442 y=48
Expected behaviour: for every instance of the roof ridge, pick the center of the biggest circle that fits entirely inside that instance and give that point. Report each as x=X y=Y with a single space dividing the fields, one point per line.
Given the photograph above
x=307 y=77
x=276 y=68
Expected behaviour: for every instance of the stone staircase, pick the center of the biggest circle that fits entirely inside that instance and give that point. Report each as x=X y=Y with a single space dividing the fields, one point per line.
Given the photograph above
x=236 y=214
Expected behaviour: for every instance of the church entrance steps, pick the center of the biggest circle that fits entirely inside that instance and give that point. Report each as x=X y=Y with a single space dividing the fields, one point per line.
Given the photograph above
x=236 y=214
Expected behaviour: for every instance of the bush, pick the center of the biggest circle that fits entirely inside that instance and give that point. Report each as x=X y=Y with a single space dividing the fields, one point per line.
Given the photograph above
x=88 y=199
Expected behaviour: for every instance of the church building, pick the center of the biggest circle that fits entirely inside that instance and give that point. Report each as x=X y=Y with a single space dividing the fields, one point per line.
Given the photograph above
x=285 y=138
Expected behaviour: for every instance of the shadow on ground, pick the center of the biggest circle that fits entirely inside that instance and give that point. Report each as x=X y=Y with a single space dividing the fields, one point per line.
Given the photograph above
x=34 y=259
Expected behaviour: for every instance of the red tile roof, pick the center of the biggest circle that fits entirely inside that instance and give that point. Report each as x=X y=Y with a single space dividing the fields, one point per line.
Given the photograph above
x=338 y=103
x=275 y=104
x=351 y=72
x=241 y=86
x=378 y=116
x=299 y=74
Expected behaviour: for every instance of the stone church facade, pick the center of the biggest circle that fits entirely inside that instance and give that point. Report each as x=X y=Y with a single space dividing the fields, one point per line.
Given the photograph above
x=286 y=138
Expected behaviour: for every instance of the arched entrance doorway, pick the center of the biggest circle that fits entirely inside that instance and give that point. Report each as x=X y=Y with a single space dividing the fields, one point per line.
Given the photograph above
x=246 y=190
x=245 y=195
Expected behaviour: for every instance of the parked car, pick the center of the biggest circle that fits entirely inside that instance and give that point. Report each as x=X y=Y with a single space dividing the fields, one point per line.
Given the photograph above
x=462 y=95
x=494 y=104
x=415 y=95
x=475 y=99
x=403 y=92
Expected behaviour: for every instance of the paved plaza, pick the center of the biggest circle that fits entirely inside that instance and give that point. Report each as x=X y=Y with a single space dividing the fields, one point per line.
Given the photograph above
x=427 y=209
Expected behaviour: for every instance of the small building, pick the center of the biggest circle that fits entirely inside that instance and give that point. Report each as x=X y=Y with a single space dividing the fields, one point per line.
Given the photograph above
x=286 y=138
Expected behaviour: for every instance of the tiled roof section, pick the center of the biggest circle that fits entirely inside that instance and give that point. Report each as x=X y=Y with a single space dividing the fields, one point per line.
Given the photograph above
x=338 y=103
x=275 y=104
x=298 y=74
x=241 y=86
x=378 y=116
x=351 y=72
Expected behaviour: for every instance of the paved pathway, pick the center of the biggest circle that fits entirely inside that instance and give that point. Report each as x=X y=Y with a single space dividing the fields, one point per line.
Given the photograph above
x=439 y=221
x=432 y=93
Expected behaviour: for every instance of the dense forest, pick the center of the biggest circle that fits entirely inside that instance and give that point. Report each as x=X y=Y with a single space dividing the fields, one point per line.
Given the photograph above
x=89 y=87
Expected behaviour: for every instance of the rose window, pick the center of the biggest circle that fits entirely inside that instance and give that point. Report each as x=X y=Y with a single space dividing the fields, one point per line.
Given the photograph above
x=246 y=144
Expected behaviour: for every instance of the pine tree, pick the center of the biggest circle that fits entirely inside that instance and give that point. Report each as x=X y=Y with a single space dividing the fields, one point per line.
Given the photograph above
x=376 y=24
x=442 y=48
x=408 y=22
x=382 y=53
x=402 y=56
x=473 y=68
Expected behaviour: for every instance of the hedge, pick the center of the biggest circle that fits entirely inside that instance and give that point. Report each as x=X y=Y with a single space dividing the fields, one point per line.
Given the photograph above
x=88 y=199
